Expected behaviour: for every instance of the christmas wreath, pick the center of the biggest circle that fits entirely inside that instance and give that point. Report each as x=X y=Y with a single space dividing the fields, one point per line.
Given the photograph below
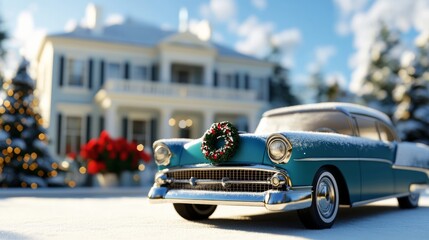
x=222 y=131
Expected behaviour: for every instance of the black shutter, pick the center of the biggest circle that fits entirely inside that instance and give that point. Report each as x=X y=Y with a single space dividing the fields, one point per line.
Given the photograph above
x=271 y=89
x=90 y=70
x=154 y=73
x=246 y=81
x=127 y=70
x=125 y=127
x=237 y=81
x=102 y=73
x=61 y=71
x=59 y=128
x=101 y=124
x=153 y=129
x=215 y=79
x=88 y=128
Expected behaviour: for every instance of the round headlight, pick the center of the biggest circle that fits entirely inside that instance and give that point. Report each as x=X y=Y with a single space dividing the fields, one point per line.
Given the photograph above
x=279 y=149
x=162 y=155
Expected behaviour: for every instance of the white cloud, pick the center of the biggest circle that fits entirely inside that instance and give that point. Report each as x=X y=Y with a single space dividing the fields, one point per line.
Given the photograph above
x=322 y=55
x=402 y=16
x=347 y=8
x=25 y=40
x=219 y=10
x=254 y=37
x=257 y=37
x=259 y=4
x=218 y=37
x=114 y=19
x=71 y=25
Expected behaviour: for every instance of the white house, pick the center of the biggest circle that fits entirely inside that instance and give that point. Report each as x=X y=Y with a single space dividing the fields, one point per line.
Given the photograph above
x=143 y=83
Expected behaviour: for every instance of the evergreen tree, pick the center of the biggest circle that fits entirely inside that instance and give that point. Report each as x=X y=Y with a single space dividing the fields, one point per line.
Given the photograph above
x=3 y=37
x=24 y=157
x=280 y=91
x=317 y=83
x=382 y=74
x=412 y=114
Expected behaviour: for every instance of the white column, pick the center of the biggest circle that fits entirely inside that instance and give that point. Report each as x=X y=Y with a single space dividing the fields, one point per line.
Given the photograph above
x=252 y=121
x=164 y=127
x=111 y=119
x=208 y=119
x=208 y=74
x=165 y=70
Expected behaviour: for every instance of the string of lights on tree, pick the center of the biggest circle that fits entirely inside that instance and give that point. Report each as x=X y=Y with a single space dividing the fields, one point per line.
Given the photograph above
x=24 y=157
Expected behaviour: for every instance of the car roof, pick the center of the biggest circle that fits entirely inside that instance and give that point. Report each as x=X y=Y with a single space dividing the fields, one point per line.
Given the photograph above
x=348 y=108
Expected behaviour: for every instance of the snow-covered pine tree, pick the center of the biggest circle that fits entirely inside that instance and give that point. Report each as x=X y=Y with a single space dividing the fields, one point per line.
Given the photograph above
x=412 y=114
x=24 y=157
x=318 y=85
x=280 y=90
x=382 y=73
x=3 y=37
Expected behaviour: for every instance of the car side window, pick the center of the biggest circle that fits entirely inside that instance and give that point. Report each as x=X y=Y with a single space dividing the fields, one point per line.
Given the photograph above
x=386 y=133
x=367 y=127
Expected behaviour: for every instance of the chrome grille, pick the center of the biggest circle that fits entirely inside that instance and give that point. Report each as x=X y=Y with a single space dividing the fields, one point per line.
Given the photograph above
x=243 y=180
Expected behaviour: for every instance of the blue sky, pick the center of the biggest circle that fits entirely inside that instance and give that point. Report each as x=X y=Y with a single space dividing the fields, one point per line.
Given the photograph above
x=333 y=36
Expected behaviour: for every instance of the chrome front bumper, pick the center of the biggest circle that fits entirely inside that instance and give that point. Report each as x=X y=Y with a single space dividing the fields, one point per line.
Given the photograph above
x=292 y=199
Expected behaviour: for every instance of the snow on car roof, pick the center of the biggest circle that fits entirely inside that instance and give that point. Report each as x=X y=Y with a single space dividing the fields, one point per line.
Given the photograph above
x=347 y=107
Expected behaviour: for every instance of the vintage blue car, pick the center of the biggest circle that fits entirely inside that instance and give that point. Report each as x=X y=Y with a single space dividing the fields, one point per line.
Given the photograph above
x=311 y=158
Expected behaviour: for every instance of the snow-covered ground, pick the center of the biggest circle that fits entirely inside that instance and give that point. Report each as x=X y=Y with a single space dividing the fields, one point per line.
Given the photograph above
x=113 y=217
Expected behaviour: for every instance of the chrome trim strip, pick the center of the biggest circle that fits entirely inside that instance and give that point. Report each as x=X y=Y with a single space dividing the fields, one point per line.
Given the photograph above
x=211 y=181
x=381 y=160
x=204 y=167
x=409 y=168
x=355 y=204
x=418 y=188
x=296 y=198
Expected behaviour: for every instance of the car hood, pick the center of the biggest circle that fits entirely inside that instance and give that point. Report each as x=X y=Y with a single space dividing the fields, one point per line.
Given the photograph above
x=251 y=150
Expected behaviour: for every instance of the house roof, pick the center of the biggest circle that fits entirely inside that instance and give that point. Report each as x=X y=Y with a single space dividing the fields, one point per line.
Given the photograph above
x=138 y=33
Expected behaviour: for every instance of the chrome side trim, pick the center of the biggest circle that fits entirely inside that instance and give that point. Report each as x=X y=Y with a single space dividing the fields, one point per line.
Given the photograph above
x=381 y=160
x=418 y=188
x=409 y=168
x=355 y=204
x=272 y=200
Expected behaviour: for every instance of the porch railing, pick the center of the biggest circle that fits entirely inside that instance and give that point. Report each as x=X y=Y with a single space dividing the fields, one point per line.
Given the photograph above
x=178 y=90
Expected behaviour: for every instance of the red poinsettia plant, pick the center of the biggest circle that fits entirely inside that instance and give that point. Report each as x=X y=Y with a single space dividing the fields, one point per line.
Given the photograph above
x=105 y=154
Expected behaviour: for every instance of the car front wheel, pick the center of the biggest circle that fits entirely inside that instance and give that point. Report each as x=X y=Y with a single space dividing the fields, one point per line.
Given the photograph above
x=325 y=202
x=410 y=201
x=194 y=211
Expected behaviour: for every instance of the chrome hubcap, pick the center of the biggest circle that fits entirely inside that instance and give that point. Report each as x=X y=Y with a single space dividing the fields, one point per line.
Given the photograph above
x=326 y=198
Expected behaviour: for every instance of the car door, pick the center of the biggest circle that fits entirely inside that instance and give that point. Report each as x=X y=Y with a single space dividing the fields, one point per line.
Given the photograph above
x=376 y=160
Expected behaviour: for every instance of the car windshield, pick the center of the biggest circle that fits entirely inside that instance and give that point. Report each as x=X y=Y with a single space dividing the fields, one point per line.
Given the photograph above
x=313 y=121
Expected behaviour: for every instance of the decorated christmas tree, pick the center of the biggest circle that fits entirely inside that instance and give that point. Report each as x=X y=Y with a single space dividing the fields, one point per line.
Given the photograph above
x=412 y=114
x=24 y=157
x=382 y=73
